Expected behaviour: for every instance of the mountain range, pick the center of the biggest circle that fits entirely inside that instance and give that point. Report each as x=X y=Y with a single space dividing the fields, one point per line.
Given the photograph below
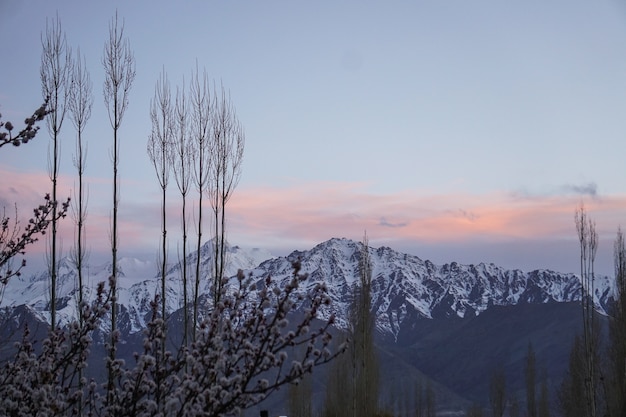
x=429 y=318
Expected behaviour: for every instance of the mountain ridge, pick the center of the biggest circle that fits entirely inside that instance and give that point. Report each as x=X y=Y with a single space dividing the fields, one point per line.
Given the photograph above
x=404 y=287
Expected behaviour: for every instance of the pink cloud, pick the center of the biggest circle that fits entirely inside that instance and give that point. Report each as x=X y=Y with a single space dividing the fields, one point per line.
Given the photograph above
x=321 y=210
x=298 y=216
x=25 y=190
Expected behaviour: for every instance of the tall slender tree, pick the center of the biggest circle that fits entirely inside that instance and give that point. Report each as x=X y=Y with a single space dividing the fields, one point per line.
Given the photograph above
x=119 y=70
x=80 y=104
x=353 y=388
x=616 y=391
x=365 y=362
x=202 y=104
x=56 y=65
x=228 y=143
x=159 y=145
x=182 y=165
x=588 y=240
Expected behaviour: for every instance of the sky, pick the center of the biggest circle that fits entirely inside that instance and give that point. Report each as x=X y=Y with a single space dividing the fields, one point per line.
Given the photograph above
x=465 y=131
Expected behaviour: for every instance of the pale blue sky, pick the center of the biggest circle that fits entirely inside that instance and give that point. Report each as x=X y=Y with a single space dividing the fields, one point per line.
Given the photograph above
x=470 y=104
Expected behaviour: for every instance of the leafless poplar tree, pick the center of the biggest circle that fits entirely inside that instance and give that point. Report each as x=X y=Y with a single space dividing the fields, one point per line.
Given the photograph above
x=616 y=391
x=119 y=68
x=588 y=240
x=158 y=150
x=56 y=63
x=181 y=156
x=200 y=131
x=227 y=156
x=80 y=104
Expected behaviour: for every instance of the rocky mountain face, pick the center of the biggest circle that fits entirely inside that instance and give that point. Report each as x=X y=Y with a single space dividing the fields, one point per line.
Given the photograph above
x=430 y=318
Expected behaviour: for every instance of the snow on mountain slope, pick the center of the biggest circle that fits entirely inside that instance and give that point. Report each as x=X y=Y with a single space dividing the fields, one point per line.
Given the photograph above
x=138 y=283
x=404 y=286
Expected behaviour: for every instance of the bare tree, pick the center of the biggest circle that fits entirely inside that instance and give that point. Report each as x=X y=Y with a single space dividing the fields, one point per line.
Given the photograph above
x=79 y=104
x=159 y=142
x=181 y=156
x=56 y=64
x=200 y=131
x=588 y=240
x=616 y=391
x=228 y=143
x=119 y=68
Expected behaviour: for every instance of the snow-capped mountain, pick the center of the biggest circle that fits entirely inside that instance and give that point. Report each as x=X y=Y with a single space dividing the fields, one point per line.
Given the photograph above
x=405 y=287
